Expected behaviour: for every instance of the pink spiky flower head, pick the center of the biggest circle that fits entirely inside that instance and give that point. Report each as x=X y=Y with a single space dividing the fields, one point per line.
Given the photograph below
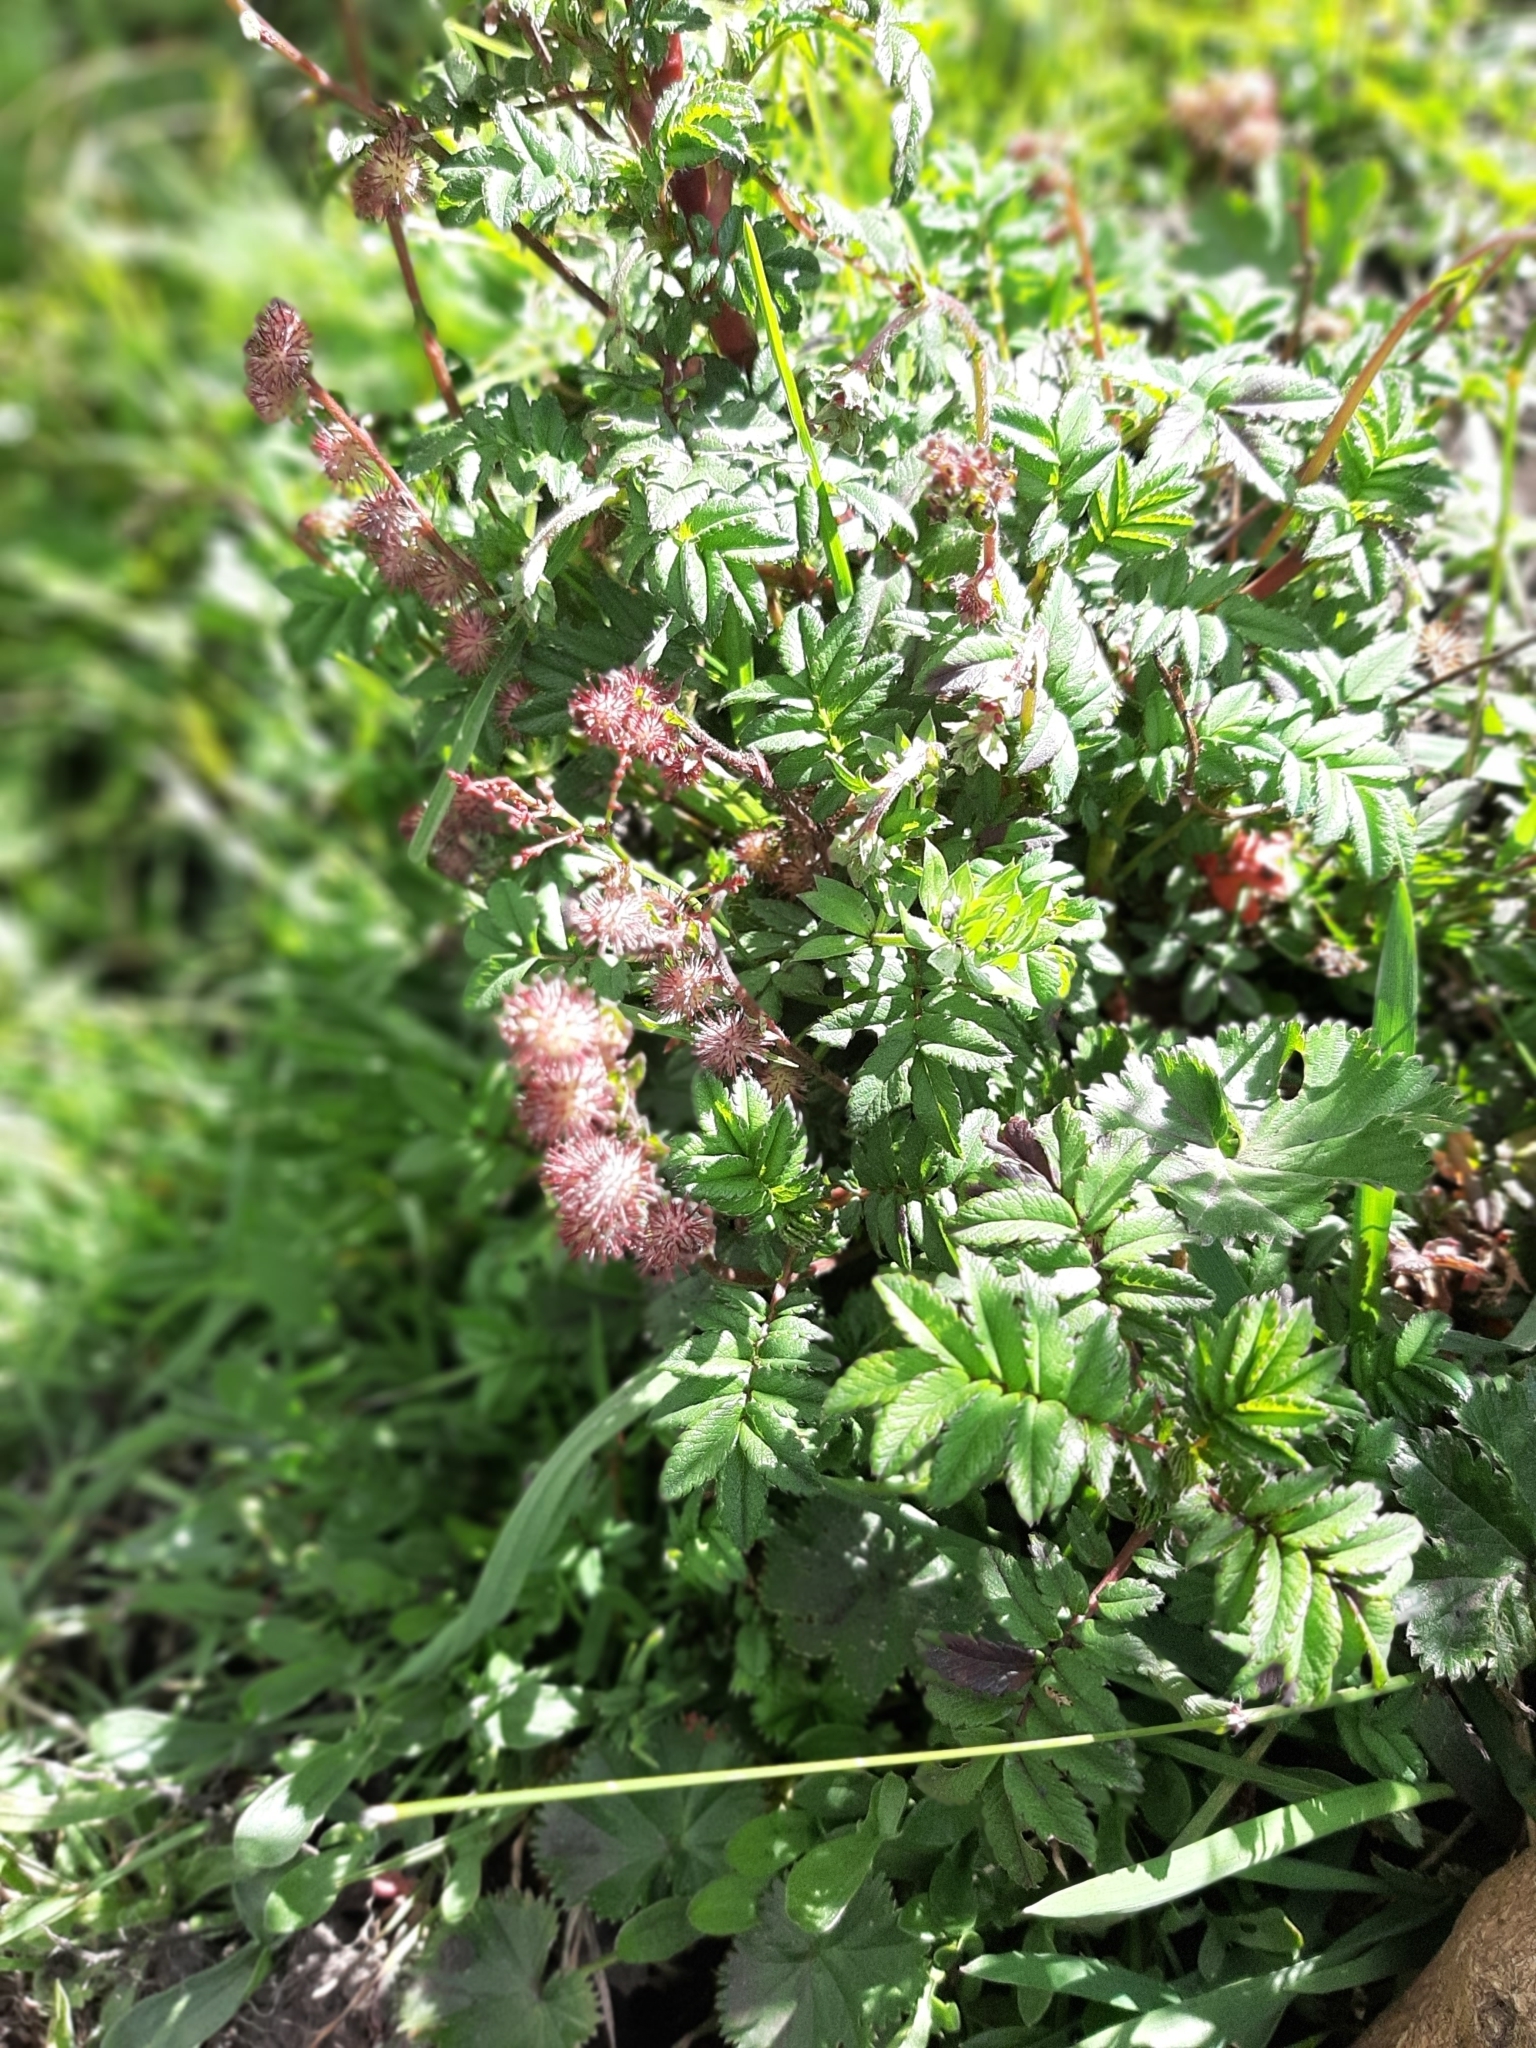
x=627 y=710
x=686 y=988
x=675 y=1237
x=390 y=177
x=728 y=1045
x=603 y=1189
x=388 y=529
x=561 y=1103
x=341 y=457
x=469 y=644
x=616 y=919
x=439 y=579
x=511 y=701
x=277 y=360
x=552 y=1024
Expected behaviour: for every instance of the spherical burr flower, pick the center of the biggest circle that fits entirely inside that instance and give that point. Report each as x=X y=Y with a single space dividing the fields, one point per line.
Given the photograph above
x=560 y=1103
x=277 y=360
x=621 y=921
x=469 y=644
x=975 y=598
x=603 y=1189
x=628 y=710
x=390 y=178
x=511 y=701
x=760 y=850
x=388 y=529
x=675 y=1237
x=783 y=1081
x=785 y=859
x=481 y=816
x=686 y=987
x=550 y=1025
x=728 y=1045
x=439 y=579
x=342 y=457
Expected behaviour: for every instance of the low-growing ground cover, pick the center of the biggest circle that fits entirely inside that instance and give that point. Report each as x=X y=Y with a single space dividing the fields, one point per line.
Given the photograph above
x=974 y=729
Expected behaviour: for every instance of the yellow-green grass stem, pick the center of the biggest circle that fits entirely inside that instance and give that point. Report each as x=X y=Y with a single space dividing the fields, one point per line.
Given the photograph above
x=1236 y=1718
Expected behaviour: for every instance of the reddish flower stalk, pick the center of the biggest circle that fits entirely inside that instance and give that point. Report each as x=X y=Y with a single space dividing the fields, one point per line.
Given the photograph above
x=278 y=375
x=259 y=30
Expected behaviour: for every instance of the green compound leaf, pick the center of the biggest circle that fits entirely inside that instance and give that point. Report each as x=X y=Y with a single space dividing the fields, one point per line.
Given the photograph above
x=1472 y=1604
x=490 y=1988
x=785 y=1986
x=1360 y=1115
x=618 y=1853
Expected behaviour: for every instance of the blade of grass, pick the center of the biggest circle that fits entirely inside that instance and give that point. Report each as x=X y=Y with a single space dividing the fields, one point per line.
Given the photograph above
x=831 y=539
x=1395 y=1028
x=191 y=2011
x=755 y=1774
x=1242 y=2009
x=527 y=1530
x=460 y=754
x=1228 y=1853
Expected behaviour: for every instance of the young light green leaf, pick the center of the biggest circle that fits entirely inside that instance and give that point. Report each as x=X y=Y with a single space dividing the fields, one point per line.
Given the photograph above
x=280 y=1820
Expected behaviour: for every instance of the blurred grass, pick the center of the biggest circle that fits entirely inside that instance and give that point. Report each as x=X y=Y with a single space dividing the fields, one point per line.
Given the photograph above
x=245 y=1127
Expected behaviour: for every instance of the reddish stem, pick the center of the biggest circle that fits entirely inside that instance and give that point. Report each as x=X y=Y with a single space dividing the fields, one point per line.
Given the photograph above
x=431 y=347
x=1494 y=253
x=357 y=48
x=1137 y=1539
x=260 y=30
x=391 y=475
x=1078 y=229
x=562 y=270
x=1277 y=575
